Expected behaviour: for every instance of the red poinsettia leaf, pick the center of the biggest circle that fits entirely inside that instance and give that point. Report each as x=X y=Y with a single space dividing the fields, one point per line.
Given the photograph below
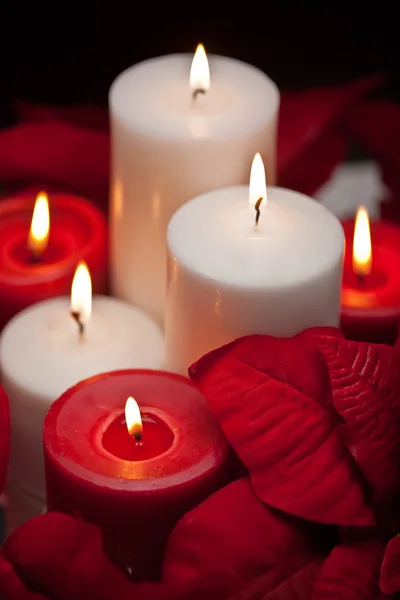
x=272 y=398
x=365 y=381
x=351 y=572
x=298 y=586
x=390 y=570
x=234 y=533
x=12 y=586
x=310 y=142
x=54 y=152
x=4 y=436
x=59 y=557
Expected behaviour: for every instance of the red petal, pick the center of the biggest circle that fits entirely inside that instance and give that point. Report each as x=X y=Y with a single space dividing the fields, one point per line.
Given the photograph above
x=234 y=533
x=365 y=382
x=11 y=585
x=68 y=157
x=270 y=396
x=61 y=557
x=390 y=571
x=298 y=586
x=351 y=572
x=4 y=437
x=310 y=142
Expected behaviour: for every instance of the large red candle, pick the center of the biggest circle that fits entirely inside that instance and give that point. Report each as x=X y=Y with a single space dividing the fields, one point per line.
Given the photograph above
x=35 y=268
x=136 y=485
x=371 y=283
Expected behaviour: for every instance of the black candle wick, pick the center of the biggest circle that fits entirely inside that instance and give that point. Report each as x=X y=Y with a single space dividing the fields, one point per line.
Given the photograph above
x=198 y=91
x=257 y=207
x=76 y=315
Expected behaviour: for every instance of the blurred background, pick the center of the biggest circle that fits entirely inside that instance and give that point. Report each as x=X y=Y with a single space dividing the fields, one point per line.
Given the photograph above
x=67 y=54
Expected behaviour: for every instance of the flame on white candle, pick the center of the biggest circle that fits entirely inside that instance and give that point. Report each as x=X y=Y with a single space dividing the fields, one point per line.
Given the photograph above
x=362 y=248
x=200 y=71
x=258 y=185
x=40 y=225
x=81 y=295
x=133 y=419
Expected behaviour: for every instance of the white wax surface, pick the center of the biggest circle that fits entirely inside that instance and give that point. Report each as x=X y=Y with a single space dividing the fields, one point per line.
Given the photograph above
x=41 y=356
x=167 y=148
x=229 y=278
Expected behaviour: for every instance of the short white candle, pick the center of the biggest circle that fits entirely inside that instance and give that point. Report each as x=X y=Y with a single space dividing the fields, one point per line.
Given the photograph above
x=42 y=354
x=168 y=147
x=229 y=277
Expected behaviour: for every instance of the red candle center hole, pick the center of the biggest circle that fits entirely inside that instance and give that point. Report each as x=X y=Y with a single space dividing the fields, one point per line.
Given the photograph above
x=157 y=437
x=372 y=281
x=22 y=255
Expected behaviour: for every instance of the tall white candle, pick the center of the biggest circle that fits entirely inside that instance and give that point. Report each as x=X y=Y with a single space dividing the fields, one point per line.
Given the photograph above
x=168 y=146
x=42 y=354
x=229 y=277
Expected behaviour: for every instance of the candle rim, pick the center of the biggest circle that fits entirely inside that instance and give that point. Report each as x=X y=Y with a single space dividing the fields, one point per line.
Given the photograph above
x=132 y=117
x=180 y=219
x=207 y=462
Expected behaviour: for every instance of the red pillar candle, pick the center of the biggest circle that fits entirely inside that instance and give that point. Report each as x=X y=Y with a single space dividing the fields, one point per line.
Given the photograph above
x=135 y=485
x=35 y=264
x=371 y=280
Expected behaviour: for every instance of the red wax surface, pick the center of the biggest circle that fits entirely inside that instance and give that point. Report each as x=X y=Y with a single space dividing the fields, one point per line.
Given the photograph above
x=135 y=502
x=371 y=308
x=157 y=437
x=78 y=231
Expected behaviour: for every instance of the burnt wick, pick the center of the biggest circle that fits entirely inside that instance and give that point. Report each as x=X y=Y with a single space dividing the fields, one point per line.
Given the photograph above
x=257 y=208
x=361 y=279
x=76 y=315
x=196 y=92
x=138 y=436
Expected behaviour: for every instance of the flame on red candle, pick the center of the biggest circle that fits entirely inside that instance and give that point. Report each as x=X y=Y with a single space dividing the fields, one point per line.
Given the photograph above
x=133 y=419
x=40 y=225
x=362 y=248
x=200 y=72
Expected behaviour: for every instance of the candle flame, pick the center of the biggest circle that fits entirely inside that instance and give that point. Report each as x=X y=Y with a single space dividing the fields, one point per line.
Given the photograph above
x=362 y=249
x=40 y=225
x=200 y=71
x=133 y=419
x=81 y=295
x=258 y=186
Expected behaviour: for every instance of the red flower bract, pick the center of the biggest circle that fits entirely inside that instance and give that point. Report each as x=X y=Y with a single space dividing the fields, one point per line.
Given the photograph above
x=236 y=534
x=390 y=571
x=273 y=399
x=351 y=572
x=55 y=556
x=4 y=436
x=365 y=380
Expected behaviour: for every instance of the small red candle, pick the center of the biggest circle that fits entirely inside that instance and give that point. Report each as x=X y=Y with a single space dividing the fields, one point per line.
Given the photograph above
x=40 y=245
x=133 y=474
x=371 y=280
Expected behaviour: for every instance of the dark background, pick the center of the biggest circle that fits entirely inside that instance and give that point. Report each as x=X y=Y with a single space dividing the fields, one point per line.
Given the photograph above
x=68 y=54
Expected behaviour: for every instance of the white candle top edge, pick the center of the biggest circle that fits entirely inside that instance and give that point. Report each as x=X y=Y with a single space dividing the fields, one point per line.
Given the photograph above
x=214 y=237
x=42 y=354
x=154 y=98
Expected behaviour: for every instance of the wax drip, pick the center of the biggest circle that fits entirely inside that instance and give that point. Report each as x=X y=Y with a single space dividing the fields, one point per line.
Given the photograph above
x=76 y=315
x=257 y=208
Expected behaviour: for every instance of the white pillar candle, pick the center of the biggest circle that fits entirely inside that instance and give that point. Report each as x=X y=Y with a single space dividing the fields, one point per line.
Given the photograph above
x=228 y=277
x=168 y=147
x=42 y=354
